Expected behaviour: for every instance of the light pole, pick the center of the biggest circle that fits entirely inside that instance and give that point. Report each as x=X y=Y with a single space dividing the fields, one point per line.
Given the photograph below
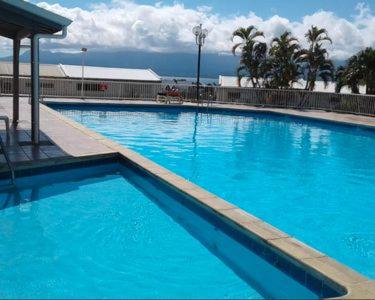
x=84 y=51
x=200 y=36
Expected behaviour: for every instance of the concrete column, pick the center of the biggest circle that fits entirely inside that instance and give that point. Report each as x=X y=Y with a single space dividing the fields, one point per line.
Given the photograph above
x=16 y=79
x=35 y=135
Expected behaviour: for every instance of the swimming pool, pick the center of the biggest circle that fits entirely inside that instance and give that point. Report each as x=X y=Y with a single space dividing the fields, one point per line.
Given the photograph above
x=108 y=231
x=314 y=180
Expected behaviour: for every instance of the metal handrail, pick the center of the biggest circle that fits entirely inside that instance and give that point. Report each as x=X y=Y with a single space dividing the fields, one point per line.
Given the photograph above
x=9 y=163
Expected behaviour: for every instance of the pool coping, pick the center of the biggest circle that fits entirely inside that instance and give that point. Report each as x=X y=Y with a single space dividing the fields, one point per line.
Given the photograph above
x=340 y=277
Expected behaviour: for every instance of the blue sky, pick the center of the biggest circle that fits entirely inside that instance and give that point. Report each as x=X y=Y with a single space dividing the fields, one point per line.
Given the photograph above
x=291 y=9
x=165 y=26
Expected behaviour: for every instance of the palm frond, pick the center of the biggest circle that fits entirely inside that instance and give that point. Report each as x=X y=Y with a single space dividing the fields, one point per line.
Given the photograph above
x=235 y=47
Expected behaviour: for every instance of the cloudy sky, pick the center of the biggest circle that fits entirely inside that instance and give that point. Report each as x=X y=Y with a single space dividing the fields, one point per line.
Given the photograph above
x=165 y=26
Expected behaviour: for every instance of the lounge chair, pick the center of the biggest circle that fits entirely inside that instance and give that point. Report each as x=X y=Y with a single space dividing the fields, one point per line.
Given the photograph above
x=170 y=96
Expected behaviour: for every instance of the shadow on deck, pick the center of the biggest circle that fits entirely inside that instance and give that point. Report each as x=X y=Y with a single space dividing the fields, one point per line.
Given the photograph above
x=59 y=140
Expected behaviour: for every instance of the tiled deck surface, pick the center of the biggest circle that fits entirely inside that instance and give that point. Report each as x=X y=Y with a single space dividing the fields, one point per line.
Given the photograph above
x=70 y=139
x=58 y=139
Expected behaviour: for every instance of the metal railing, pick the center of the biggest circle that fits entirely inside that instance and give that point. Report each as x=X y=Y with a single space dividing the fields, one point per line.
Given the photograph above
x=299 y=99
x=295 y=99
x=9 y=163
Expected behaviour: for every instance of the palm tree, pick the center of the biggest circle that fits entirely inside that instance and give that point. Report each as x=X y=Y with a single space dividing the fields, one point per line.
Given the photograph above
x=261 y=65
x=360 y=68
x=340 y=78
x=349 y=76
x=252 y=53
x=314 y=60
x=316 y=36
x=367 y=61
x=284 y=55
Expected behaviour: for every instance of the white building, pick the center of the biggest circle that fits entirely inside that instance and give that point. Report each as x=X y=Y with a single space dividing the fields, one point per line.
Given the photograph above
x=75 y=72
x=46 y=70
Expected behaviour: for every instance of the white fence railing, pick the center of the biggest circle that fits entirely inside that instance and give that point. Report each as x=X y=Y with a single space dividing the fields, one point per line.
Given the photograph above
x=298 y=99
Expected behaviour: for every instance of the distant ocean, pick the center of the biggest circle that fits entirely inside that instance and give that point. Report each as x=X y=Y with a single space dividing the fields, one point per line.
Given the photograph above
x=188 y=80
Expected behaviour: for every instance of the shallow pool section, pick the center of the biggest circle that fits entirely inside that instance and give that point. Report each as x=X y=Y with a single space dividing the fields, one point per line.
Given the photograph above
x=314 y=180
x=111 y=232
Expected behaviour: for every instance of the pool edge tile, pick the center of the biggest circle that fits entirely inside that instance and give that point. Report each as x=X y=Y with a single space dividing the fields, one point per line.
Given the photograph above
x=239 y=215
x=264 y=230
x=296 y=248
x=334 y=270
x=363 y=290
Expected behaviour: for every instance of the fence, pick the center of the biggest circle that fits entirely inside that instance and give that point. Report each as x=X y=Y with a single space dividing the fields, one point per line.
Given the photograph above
x=297 y=99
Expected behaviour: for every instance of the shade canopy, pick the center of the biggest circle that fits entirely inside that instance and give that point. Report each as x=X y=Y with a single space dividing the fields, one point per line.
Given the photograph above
x=20 y=19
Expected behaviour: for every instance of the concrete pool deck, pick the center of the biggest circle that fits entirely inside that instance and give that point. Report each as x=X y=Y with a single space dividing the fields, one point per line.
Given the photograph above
x=59 y=140
x=72 y=140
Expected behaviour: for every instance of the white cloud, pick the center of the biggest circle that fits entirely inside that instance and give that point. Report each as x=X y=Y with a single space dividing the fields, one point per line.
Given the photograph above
x=124 y=24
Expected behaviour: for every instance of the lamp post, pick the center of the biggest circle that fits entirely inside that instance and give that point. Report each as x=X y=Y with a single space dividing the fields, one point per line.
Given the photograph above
x=84 y=52
x=200 y=36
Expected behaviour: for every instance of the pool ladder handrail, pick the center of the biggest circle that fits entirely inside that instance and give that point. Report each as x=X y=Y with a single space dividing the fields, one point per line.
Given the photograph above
x=210 y=100
x=9 y=163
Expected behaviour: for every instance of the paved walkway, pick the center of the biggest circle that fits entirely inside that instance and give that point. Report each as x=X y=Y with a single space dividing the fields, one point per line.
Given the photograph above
x=58 y=138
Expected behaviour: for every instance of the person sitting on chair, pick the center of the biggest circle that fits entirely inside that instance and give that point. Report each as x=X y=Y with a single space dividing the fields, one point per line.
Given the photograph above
x=174 y=92
x=165 y=92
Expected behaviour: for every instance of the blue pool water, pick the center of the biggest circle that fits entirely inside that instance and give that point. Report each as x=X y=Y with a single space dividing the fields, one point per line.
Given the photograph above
x=314 y=180
x=109 y=232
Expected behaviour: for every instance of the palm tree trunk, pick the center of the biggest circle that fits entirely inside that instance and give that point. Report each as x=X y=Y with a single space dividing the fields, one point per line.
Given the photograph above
x=257 y=82
x=253 y=82
x=312 y=85
x=307 y=81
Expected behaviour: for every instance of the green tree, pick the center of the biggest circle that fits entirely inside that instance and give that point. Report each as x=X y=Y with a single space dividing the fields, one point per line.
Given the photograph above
x=367 y=62
x=340 y=78
x=253 y=54
x=360 y=68
x=348 y=76
x=315 y=60
x=284 y=56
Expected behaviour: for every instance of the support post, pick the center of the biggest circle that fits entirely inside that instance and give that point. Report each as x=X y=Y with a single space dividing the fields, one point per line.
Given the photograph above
x=84 y=51
x=199 y=70
x=35 y=93
x=16 y=80
x=83 y=74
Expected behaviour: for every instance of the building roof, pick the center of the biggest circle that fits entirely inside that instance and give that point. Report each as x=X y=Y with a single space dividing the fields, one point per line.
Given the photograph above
x=21 y=18
x=73 y=71
x=232 y=81
x=6 y=69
